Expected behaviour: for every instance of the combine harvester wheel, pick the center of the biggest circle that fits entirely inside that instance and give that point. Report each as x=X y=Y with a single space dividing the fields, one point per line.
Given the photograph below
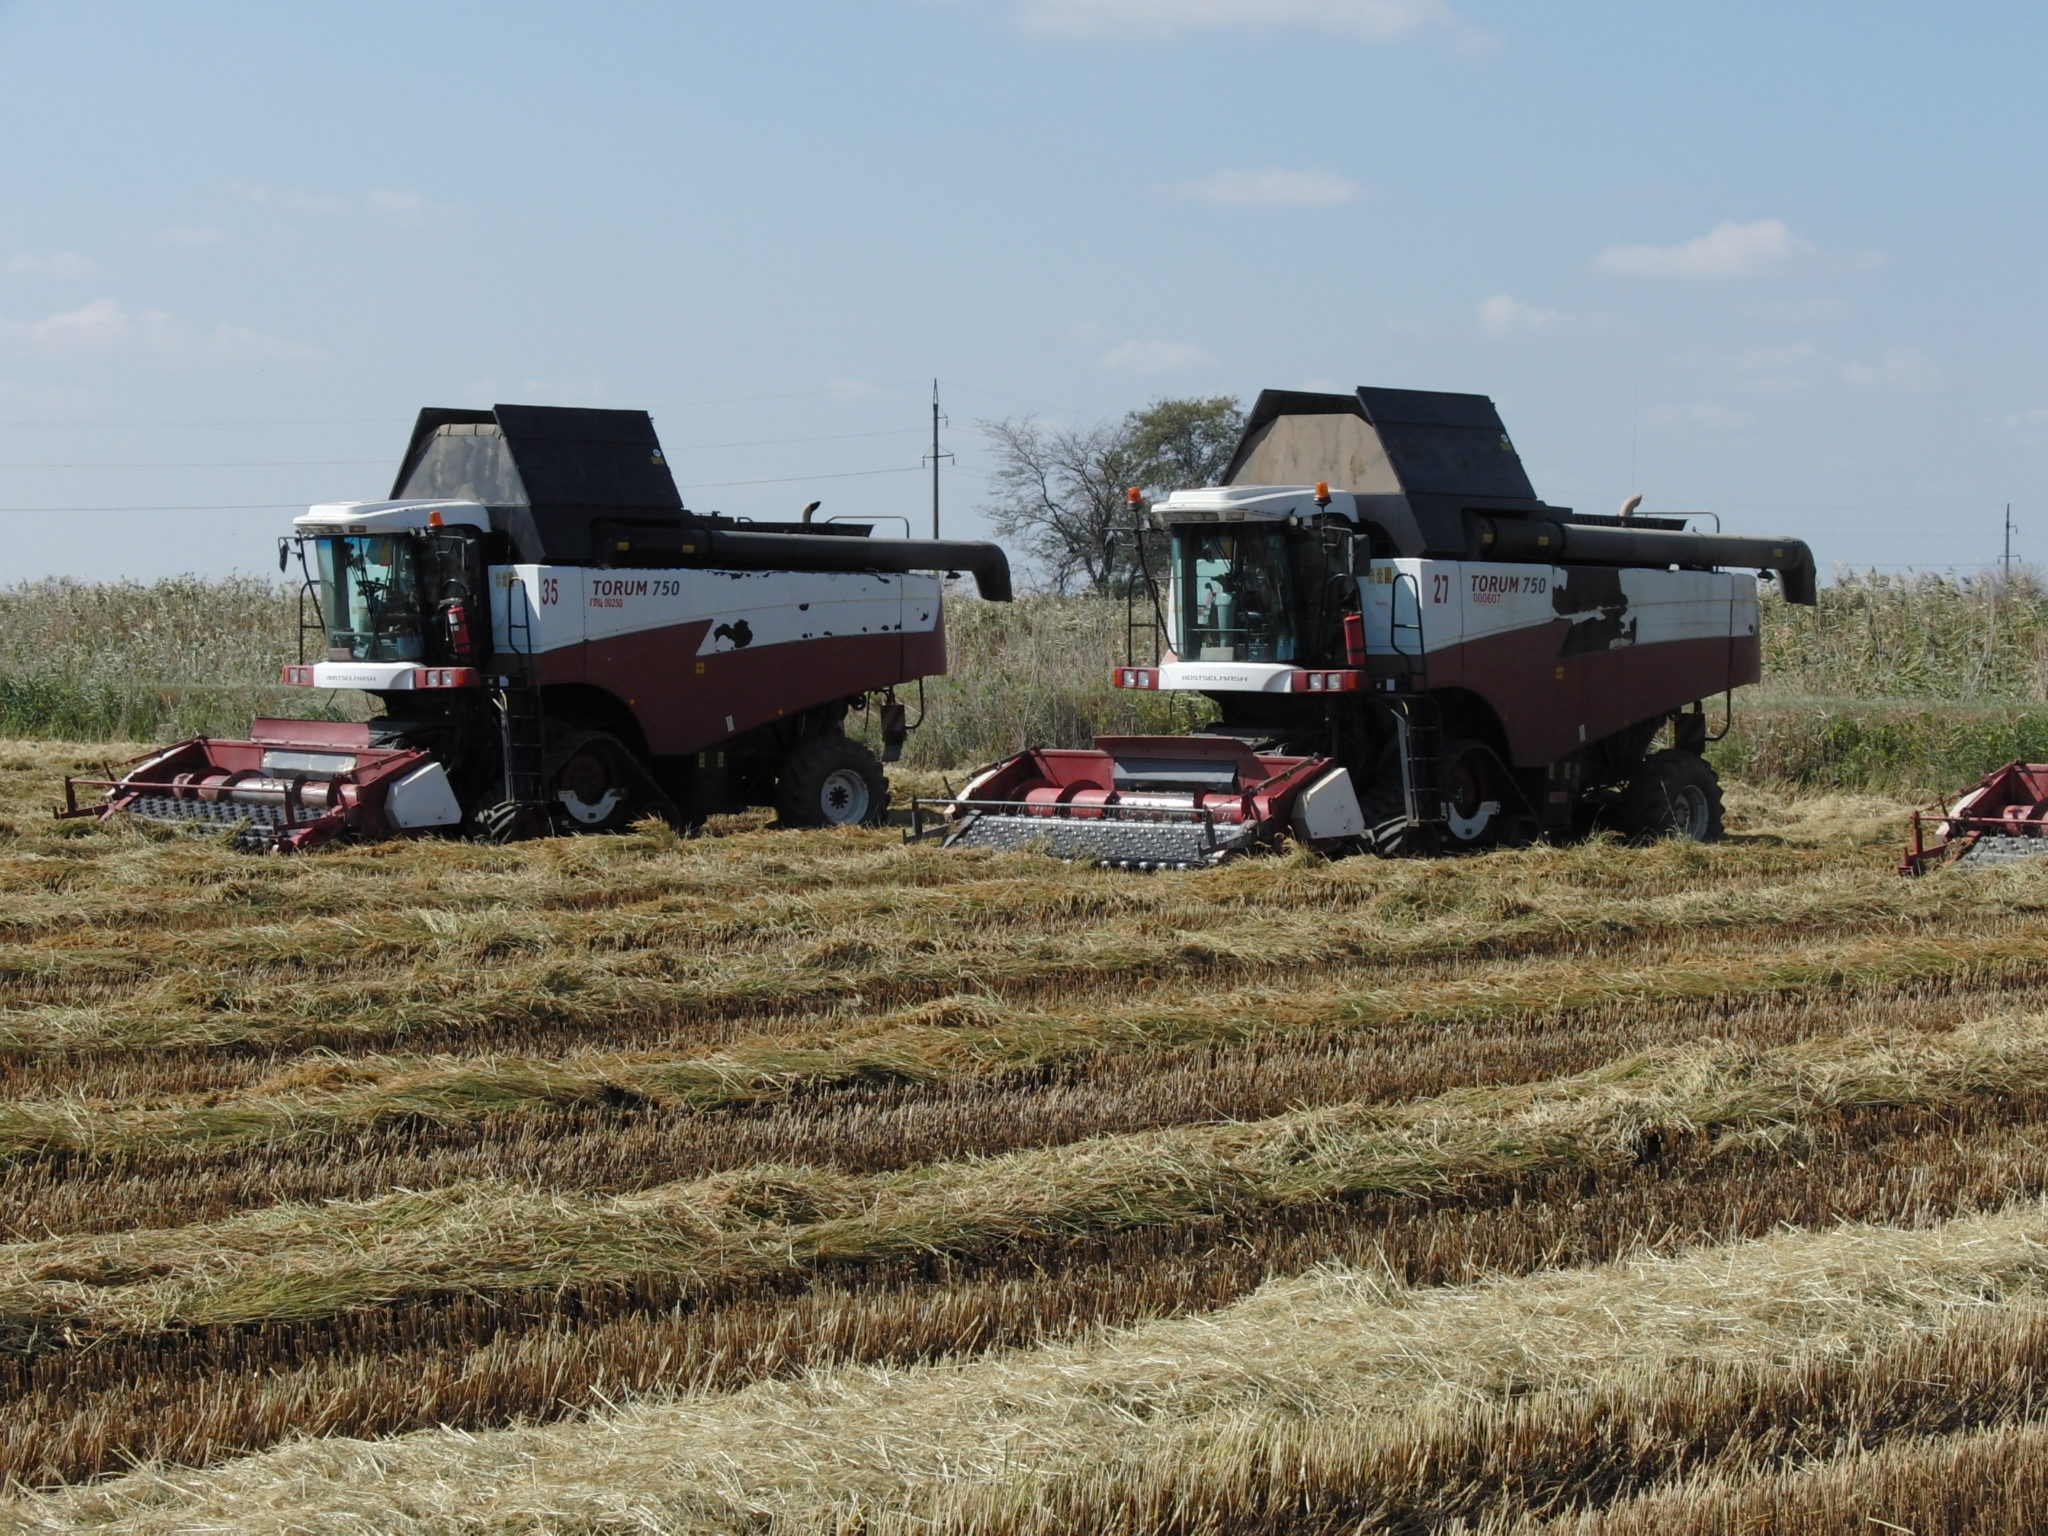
x=832 y=781
x=1672 y=794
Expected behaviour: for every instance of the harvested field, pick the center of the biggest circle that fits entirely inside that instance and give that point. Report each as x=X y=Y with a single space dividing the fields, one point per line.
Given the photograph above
x=762 y=1180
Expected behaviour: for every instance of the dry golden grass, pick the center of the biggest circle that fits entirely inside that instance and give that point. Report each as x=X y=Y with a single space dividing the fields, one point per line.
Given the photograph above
x=1991 y=1482
x=438 y=1134
x=194 y=1396
x=1350 y=1371
x=291 y=1262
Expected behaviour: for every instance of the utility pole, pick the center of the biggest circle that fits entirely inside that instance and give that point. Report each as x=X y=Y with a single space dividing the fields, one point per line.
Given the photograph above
x=2006 y=563
x=935 y=456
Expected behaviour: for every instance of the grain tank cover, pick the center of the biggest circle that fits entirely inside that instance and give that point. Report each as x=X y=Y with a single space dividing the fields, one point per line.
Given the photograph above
x=548 y=473
x=1416 y=459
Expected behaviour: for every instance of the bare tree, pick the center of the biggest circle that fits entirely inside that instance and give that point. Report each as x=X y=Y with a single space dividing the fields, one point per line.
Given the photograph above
x=1059 y=491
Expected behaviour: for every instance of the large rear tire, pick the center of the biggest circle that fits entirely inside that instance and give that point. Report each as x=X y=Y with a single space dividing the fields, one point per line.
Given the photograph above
x=832 y=781
x=1673 y=793
x=1472 y=797
x=593 y=784
x=1473 y=803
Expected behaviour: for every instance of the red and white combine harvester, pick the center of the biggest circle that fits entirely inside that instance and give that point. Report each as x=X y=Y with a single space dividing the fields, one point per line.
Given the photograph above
x=557 y=644
x=1404 y=650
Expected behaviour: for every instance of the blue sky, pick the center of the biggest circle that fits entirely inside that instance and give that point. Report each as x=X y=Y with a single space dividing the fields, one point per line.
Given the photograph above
x=1780 y=262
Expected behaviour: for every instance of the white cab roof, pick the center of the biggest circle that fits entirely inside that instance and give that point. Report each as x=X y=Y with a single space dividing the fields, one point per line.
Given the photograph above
x=388 y=516
x=1250 y=503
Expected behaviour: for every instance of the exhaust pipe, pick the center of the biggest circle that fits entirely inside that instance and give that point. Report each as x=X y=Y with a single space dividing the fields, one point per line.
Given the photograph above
x=744 y=551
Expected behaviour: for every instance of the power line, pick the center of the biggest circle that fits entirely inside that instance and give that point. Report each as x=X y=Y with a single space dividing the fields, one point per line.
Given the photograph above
x=347 y=421
x=212 y=506
x=777 y=442
x=277 y=506
x=228 y=464
x=367 y=421
x=851 y=474
x=760 y=442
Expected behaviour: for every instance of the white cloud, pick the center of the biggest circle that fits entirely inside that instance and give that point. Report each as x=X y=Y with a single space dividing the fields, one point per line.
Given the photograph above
x=1726 y=250
x=56 y=403
x=856 y=389
x=290 y=199
x=1155 y=357
x=1779 y=370
x=1706 y=414
x=1802 y=367
x=1821 y=311
x=106 y=328
x=58 y=266
x=1504 y=315
x=188 y=235
x=380 y=202
x=1270 y=189
x=399 y=207
x=1901 y=371
x=2029 y=426
x=103 y=326
x=1371 y=19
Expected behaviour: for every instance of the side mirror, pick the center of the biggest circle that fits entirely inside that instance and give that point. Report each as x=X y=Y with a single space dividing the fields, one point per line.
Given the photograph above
x=283 y=553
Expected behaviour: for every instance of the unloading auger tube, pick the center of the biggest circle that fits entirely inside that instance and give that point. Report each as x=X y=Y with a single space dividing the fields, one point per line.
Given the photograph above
x=738 y=550
x=558 y=644
x=1401 y=650
x=1576 y=543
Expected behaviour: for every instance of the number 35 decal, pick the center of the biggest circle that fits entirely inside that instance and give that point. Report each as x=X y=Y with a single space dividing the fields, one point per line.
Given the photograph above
x=1440 y=588
x=550 y=593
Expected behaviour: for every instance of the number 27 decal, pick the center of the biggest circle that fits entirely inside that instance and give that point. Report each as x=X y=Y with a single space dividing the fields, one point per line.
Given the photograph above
x=1440 y=588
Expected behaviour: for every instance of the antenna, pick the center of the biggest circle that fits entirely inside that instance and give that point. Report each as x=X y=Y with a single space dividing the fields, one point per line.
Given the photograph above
x=936 y=454
x=2006 y=563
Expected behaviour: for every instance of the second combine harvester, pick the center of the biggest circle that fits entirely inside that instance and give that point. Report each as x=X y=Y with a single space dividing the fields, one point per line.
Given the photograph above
x=1404 y=649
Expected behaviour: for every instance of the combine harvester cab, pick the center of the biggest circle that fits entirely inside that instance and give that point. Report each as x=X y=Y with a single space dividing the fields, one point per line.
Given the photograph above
x=1405 y=651
x=558 y=644
x=2000 y=819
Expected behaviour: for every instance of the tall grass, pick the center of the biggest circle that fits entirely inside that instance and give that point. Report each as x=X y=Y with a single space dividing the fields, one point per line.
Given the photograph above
x=1036 y=673
x=1982 y=639
x=1912 y=684
x=1895 y=683
x=128 y=661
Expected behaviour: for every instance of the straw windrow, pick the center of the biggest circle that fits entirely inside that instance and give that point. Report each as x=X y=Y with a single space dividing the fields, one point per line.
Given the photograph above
x=1367 y=1392
x=300 y=1262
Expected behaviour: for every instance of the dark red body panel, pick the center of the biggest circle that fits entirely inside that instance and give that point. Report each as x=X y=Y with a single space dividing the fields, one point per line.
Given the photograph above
x=685 y=702
x=1544 y=698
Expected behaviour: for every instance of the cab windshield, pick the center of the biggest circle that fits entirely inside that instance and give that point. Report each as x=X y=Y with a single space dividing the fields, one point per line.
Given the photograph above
x=369 y=598
x=1235 y=595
